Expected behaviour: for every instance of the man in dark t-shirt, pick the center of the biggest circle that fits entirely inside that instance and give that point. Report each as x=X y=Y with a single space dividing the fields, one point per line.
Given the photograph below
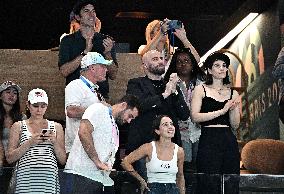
x=74 y=46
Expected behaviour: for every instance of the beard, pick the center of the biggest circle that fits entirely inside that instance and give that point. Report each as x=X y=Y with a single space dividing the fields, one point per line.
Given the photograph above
x=119 y=119
x=157 y=70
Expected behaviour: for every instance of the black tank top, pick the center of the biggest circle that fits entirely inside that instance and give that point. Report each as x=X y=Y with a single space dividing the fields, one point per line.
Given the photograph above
x=209 y=105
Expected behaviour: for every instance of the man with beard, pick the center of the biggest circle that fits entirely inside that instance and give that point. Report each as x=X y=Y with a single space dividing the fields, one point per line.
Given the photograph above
x=95 y=146
x=157 y=98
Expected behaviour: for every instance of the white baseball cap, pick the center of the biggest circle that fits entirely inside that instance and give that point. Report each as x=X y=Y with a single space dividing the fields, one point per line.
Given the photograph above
x=37 y=95
x=92 y=58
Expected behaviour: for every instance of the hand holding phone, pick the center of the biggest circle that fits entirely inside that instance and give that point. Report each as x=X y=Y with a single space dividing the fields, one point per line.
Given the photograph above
x=48 y=135
x=46 y=131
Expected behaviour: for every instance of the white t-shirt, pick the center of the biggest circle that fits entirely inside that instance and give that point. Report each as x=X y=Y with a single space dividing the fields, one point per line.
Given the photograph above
x=79 y=162
x=77 y=93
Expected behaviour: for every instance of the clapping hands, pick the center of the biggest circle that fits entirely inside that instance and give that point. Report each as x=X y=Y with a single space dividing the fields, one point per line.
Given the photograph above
x=232 y=104
x=171 y=85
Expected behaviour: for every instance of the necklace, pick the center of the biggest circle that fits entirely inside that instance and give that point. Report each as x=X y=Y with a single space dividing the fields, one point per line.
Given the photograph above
x=157 y=84
x=220 y=90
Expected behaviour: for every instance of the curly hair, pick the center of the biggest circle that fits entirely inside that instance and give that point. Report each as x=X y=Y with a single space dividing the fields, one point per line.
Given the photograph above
x=196 y=73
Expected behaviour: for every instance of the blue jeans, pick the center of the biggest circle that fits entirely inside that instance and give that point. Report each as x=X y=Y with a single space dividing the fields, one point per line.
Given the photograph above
x=190 y=151
x=163 y=188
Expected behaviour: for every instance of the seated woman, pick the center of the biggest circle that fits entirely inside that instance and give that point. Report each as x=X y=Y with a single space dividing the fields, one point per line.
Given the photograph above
x=9 y=112
x=36 y=144
x=164 y=160
x=157 y=39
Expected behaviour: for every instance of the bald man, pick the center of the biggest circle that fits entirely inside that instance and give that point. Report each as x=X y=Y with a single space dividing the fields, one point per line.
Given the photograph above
x=156 y=97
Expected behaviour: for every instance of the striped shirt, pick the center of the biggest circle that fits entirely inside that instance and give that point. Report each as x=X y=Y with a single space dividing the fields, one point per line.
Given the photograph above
x=37 y=169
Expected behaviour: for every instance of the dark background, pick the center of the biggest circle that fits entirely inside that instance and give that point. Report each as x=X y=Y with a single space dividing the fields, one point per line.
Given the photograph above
x=38 y=24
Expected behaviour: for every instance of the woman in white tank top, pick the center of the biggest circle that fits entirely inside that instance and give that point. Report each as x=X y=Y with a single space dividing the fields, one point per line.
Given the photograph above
x=164 y=161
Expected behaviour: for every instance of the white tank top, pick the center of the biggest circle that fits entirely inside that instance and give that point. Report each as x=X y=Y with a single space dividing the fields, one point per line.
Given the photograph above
x=160 y=171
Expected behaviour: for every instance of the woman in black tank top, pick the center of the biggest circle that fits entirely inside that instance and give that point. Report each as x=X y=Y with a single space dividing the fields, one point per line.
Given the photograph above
x=215 y=106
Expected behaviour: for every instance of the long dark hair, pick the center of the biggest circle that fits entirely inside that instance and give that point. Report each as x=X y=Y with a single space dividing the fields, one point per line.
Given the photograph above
x=209 y=63
x=15 y=113
x=196 y=73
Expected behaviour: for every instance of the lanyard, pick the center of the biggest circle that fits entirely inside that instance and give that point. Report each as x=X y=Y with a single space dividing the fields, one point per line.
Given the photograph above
x=94 y=88
x=115 y=132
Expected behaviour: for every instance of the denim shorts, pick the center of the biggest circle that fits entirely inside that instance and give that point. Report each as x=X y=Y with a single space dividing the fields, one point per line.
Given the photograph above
x=163 y=188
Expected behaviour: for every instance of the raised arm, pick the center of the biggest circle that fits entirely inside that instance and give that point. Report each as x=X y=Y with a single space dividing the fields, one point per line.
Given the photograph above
x=181 y=34
x=152 y=45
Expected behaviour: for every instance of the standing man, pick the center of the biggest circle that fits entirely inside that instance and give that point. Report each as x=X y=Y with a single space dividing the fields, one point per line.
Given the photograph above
x=95 y=145
x=81 y=93
x=157 y=98
x=75 y=46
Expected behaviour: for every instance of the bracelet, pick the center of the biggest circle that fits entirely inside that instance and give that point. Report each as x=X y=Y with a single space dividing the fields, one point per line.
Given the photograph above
x=164 y=33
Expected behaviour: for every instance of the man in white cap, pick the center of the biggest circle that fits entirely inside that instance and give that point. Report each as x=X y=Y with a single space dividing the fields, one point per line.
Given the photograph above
x=82 y=92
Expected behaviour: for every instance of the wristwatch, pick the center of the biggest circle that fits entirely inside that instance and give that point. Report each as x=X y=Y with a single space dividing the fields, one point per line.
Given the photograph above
x=83 y=53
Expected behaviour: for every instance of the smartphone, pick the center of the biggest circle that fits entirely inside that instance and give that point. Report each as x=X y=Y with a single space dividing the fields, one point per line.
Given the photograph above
x=44 y=131
x=175 y=24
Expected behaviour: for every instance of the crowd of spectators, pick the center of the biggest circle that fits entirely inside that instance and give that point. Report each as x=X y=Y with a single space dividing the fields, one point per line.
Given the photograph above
x=178 y=116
